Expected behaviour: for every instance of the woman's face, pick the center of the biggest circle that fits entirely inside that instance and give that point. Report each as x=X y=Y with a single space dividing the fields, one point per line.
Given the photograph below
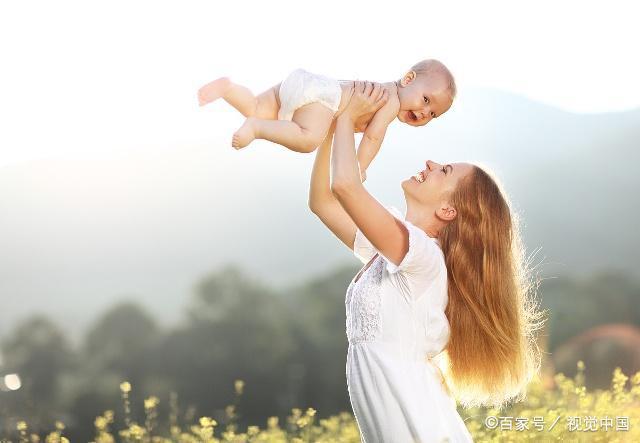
x=432 y=186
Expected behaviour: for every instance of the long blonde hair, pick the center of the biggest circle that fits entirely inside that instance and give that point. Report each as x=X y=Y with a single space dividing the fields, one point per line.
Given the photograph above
x=492 y=353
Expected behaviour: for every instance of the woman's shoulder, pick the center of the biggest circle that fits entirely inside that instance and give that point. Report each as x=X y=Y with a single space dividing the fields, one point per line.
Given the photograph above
x=424 y=255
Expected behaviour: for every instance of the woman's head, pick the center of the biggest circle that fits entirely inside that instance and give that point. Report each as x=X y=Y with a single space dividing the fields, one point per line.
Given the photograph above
x=429 y=193
x=491 y=354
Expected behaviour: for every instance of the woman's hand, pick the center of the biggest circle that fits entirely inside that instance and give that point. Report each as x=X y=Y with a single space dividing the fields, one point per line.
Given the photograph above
x=366 y=99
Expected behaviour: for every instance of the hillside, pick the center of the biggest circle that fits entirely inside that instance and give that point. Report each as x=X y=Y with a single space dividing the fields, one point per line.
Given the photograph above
x=78 y=234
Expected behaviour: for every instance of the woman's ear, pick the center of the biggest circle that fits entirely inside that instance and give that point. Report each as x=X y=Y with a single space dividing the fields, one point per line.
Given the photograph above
x=447 y=212
x=408 y=78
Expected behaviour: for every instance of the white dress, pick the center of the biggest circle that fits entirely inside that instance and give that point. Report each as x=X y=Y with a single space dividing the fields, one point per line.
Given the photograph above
x=395 y=323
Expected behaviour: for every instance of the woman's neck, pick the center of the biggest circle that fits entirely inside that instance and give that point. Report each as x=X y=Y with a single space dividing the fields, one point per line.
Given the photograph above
x=425 y=220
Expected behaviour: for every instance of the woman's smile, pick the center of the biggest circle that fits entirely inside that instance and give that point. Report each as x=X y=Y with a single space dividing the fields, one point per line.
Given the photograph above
x=421 y=176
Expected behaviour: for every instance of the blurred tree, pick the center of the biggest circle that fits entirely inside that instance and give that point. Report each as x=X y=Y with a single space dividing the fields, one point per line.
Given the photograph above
x=317 y=309
x=577 y=305
x=236 y=329
x=602 y=349
x=38 y=352
x=116 y=348
x=120 y=339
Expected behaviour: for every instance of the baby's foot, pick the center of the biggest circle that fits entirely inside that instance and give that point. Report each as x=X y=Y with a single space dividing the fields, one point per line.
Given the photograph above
x=213 y=90
x=245 y=135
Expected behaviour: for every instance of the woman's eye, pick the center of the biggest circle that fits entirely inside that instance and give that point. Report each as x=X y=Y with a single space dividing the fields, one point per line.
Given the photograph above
x=433 y=114
x=444 y=169
x=426 y=99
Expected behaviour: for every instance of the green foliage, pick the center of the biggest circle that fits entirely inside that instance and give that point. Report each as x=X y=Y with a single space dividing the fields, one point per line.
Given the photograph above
x=566 y=412
x=577 y=305
x=287 y=344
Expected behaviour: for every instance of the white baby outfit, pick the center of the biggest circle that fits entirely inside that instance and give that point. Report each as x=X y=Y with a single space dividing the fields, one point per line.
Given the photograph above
x=395 y=322
x=302 y=88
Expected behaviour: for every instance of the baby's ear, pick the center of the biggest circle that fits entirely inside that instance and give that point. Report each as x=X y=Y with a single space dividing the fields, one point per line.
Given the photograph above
x=408 y=78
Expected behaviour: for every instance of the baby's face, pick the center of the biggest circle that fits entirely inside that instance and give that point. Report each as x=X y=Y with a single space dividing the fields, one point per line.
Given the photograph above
x=423 y=99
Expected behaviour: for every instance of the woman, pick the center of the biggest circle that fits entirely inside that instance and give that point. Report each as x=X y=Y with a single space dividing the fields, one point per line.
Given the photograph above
x=444 y=281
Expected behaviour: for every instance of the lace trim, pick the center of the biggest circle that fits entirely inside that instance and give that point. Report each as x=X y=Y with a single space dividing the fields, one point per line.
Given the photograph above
x=363 y=302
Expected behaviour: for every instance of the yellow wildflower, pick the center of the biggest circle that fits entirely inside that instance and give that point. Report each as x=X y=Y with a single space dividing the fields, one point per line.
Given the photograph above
x=207 y=422
x=136 y=431
x=253 y=430
x=239 y=385
x=100 y=423
x=151 y=402
x=125 y=387
x=272 y=422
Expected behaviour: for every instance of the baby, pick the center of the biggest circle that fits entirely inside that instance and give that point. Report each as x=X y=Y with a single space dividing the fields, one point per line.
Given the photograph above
x=298 y=112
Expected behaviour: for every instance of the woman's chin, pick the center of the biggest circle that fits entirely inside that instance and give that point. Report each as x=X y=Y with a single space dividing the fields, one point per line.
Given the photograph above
x=407 y=184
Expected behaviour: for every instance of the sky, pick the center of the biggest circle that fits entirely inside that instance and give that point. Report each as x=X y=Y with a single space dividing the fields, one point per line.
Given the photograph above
x=107 y=160
x=89 y=79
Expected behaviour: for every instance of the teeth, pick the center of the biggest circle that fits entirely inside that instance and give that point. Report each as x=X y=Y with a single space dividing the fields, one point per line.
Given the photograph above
x=420 y=177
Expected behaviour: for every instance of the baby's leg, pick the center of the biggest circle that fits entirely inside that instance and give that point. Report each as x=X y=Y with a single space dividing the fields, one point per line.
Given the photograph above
x=264 y=105
x=304 y=133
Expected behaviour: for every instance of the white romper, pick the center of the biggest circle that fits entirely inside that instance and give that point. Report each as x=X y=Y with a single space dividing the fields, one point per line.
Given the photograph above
x=395 y=323
x=302 y=88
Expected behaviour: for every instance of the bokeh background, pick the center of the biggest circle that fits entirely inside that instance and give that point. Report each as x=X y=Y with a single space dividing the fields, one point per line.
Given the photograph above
x=136 y=244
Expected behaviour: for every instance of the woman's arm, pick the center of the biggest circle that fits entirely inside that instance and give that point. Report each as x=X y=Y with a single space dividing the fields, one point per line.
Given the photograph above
x=387 y=234
x=322 y=202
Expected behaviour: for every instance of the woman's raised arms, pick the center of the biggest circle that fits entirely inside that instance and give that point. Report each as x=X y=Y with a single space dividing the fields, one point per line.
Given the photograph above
x=386 y=233
x=322 y=202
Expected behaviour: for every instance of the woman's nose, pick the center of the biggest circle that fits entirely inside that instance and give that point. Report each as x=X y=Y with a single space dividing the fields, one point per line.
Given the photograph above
x=431 y=164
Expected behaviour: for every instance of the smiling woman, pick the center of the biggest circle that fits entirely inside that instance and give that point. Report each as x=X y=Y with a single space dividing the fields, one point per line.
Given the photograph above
x=431 y=317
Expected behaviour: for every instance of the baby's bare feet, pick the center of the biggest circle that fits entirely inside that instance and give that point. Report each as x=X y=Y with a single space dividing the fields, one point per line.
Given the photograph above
x=245 y=135
x=213 y=90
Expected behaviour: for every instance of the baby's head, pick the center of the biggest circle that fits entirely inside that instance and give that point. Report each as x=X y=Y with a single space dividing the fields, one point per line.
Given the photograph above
x=425 y=92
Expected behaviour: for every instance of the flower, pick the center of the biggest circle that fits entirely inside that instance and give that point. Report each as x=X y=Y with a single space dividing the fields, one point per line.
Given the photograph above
x=272 y=422
x=239 y=384
x=151 y=402
x=207 y=422
x=125 y=387
x=100 y=423
x=253 y=430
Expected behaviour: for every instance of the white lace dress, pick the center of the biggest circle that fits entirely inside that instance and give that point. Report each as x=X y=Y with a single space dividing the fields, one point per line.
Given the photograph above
x=395 y=324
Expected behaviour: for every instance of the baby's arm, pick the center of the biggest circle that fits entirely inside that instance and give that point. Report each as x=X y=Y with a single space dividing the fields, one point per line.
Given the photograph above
x=373 y=136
